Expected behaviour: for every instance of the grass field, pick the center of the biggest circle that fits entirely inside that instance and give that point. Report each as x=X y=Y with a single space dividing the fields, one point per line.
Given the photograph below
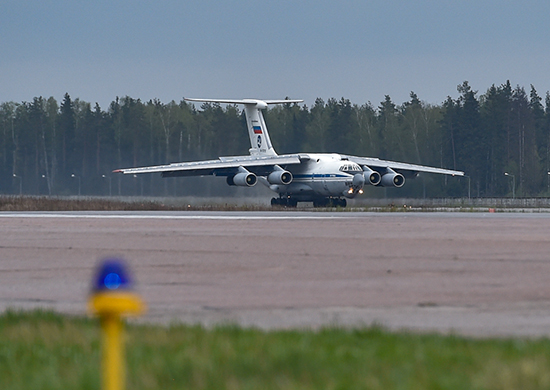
x=45 y=350
x=54 y=203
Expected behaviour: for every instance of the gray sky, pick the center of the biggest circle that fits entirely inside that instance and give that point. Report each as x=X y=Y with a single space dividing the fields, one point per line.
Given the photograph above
x=360 y=50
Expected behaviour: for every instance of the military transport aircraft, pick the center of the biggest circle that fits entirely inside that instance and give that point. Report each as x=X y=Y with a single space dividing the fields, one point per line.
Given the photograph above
x=321 y=178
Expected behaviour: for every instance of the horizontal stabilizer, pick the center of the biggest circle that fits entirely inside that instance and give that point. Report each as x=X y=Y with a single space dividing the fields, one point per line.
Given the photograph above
x=257 y=130
x=243 y=101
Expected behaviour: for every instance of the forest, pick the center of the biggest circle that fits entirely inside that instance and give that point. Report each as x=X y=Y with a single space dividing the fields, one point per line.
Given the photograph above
x=72 y=147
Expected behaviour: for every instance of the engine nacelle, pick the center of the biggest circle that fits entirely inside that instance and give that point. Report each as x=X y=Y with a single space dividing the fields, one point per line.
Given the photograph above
x=371 y=177
x=243 y=179
x=392 y=179
x=280 y=177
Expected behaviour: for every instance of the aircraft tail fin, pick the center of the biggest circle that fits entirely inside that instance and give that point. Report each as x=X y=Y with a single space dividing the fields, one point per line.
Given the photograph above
x=257 y=130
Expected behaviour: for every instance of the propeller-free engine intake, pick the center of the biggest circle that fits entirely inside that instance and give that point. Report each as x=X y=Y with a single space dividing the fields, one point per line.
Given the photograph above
x=279 y=176
x=372 y=177
x=244 y=178
x=392 y=179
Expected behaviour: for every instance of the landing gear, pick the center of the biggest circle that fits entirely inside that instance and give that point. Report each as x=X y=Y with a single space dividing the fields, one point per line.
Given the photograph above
x=330 y=202
x=288 y=202
x=322 y=202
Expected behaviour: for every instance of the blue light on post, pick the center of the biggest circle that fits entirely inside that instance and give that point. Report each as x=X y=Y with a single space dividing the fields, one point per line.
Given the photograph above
x=112 y=275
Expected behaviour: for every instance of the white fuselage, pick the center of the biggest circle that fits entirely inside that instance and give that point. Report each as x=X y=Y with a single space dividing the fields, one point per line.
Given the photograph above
x=324 y=175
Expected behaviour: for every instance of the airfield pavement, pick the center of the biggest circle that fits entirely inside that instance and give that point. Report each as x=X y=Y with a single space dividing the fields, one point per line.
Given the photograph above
x=476 y=274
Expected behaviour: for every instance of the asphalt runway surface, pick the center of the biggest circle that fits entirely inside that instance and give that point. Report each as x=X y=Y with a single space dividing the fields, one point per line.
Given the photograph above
x=481 y=274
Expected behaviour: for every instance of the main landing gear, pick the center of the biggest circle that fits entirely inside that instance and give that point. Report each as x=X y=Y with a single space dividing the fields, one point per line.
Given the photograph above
x=330 y=202
x=287 y=201
x=318 y=202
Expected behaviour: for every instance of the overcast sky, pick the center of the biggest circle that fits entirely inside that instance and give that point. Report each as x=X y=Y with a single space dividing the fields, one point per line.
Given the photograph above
x=360 y=50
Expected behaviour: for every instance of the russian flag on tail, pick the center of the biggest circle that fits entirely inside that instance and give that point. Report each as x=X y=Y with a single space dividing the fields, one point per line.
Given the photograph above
x=257 y=129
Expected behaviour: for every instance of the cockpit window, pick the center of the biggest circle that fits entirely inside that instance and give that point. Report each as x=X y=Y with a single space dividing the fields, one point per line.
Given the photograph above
x=350 y=167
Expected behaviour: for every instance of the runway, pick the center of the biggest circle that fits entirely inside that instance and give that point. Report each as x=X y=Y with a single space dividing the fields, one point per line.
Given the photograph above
x=469 y=273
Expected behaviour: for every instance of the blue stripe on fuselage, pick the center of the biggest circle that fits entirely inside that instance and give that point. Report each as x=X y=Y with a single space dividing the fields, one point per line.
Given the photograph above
x=319 y=175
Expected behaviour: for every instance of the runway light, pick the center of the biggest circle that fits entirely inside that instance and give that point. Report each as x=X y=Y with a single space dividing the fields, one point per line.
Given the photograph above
x=112 y=281
x=112 y=275
x=112 y=298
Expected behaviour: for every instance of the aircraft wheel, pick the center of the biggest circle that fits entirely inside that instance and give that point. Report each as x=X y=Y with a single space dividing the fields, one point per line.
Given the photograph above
x=291 y=202
x=342 y=203
x=274 y=202
x=322 y=202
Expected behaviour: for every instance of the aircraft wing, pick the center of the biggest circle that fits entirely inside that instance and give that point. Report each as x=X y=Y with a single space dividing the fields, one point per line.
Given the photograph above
x=223 y=166
x=375 y=163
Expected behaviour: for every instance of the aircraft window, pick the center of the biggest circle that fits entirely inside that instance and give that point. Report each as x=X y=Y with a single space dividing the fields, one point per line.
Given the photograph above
x=350 y=168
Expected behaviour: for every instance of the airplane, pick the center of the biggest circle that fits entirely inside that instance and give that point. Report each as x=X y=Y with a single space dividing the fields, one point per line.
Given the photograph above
x=326 y=179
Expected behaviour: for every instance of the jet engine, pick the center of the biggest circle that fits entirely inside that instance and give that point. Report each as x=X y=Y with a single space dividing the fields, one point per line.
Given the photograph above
x=392 y=179
x=280 y=176
x=244 y=178
x=371 y=177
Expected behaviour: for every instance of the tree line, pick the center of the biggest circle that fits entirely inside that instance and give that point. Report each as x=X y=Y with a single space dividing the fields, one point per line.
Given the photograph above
x=72 y=147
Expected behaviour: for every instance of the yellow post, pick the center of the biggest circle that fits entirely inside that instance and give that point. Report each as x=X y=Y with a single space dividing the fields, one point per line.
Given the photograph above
x=114 y=375
x=111 y=300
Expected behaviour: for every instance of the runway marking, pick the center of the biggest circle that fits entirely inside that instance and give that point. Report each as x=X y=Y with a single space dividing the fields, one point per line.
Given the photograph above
x=268 y=215
x=205 y=217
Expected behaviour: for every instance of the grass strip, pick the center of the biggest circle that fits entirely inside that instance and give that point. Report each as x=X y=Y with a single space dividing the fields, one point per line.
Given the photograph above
x=10 y=203
x=46 y=350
